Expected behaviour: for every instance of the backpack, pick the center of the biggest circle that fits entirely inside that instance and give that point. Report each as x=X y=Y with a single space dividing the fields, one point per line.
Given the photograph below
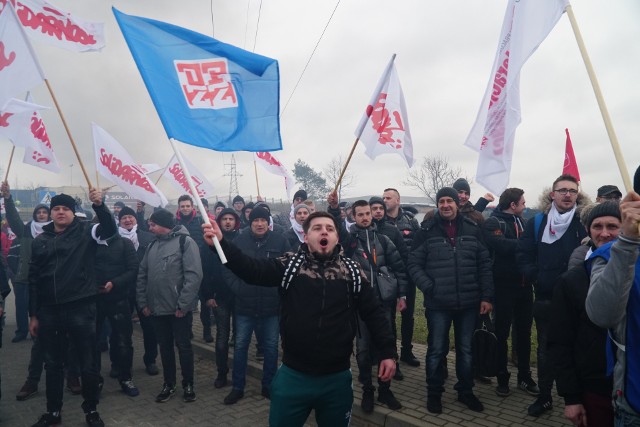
x=183 y=238
x=536 y=225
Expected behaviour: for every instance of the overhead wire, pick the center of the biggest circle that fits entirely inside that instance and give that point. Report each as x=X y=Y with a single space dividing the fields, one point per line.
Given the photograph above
x=255 y=39
x=309 y=60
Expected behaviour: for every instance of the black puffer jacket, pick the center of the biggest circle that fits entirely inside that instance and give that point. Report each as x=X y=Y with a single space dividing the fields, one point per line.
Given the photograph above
x=318 y=321
x=406 y=223
x=62 y=265
x=451 y=277
x=501 y=233
x=252 y=300
x=117 y=263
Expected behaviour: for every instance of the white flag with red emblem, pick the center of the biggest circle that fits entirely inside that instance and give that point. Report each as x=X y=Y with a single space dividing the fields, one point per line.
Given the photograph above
x=19 y=68
x=526 y=24
x=384 y=127
x=274 y=166
x=114 y=163
x=174 y=173
x=44 y=21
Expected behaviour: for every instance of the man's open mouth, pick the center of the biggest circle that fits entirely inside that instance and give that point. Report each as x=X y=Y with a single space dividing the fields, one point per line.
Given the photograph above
x=324 y=242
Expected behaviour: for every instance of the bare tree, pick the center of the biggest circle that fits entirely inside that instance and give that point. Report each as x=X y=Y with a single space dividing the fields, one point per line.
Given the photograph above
x=332 y=173
x=432 y=174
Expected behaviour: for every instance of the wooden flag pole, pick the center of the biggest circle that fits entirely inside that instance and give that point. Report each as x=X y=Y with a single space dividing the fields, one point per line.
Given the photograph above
x=73 y=144
x=97 y=179
x=626 y=179
x=255 y=170
x=6 y=175
x=344 y=169
x=197 y=200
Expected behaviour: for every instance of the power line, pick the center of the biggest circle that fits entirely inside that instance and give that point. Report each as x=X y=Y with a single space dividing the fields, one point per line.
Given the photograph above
x=246 y=25
x=307 y=64
x=255 y=39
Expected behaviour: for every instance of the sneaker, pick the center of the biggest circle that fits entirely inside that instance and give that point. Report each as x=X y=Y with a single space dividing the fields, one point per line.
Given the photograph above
x=398 y=376
x=166 y=393
x=386 y=396
x=367 y=399
x=471 y=402
x=266 y=393
x=152 y=369
x=434 y=404
x=129 y=388
x=48 y=419
x=18 y=338
x=409 y=358
x=529 y=385
x=114 y=372
x=93 y=419
x=259 y=356
x=189 y=395
x=220 y=381
x=207 y=338
x=233 y=397
x=503 y=390
x=28 y=389
x=540 y=406
x=73 y=384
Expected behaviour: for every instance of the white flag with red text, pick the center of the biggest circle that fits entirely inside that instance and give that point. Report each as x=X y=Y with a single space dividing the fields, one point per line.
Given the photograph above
x=274 y=166
x=174 y=173
x=19 y=68
x=526 y=24
x=44 y=21
x=384 y=127
x=114 y=163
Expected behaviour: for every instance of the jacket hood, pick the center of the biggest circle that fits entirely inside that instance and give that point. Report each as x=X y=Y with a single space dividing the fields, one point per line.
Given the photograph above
x=544 y=202
x=41 y=206
x=229 y=211
x=177 y=231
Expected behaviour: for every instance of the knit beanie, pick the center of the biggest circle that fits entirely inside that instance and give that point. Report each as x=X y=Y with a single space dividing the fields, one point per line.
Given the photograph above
x=238 y=199
x=125 y=211
x=259 y=212
x=375 y=200
x=448 y=192
x=264 y=206
x=608 y=208
x=163 y=218
x=204 y=201
x=300 y=194
x=298 y=207
x=219 y=204
x=462 y=184
x=63 y=200
x=119 y=204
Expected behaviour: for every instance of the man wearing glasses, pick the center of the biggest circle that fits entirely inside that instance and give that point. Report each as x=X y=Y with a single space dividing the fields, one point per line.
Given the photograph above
x=542 y=256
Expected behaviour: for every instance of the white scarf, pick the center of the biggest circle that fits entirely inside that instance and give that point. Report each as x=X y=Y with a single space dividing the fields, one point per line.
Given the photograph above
x=557 y=224
x=297 y=228
x=131 y=235
x=36 y=228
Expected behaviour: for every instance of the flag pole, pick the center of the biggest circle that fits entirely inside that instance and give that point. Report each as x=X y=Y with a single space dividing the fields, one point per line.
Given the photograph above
x=344 y=169
x=626 y=179
x=66 y=127
x=255 y=170
x=6 y=175
x=198 y=202
x=163 y=171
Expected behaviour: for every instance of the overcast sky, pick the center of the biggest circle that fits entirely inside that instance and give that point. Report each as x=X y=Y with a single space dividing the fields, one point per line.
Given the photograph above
x=445 y=51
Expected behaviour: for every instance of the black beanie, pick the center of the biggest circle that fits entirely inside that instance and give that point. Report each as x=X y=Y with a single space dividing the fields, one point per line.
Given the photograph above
x=119 y=204
x=462 y=184
x=238 y=199
x=163 y=218
x=259 y=212
x=448 y=192
x=375 y=200
x=204 y=201
x=608 y=208
x=63 y=200
x=300 y=194
x=125 y=211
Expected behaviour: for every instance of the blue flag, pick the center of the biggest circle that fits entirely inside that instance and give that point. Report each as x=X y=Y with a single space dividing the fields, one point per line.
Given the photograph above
x=207 y=93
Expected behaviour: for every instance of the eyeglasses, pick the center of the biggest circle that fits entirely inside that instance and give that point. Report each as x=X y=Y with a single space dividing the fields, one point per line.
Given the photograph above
x=564 y=191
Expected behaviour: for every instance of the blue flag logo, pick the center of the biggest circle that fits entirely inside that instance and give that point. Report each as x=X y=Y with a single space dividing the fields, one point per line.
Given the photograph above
x=207 y=93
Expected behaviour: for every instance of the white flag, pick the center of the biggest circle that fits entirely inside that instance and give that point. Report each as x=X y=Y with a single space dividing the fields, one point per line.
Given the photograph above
x=19 y=68
x=384 y=127
x=114 y=163
x=44 y=21
x=273 y=165
x=148 y=168
x=177 y=177
x=526 y=24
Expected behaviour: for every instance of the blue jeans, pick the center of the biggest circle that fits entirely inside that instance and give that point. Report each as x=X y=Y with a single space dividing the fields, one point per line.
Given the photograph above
x=21 y=293
x=438 y=324
x=267 y=332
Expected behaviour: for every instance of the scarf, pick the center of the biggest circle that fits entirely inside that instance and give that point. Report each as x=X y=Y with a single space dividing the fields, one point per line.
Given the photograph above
x=131 y=235
x=36 y=228
x=557 y=224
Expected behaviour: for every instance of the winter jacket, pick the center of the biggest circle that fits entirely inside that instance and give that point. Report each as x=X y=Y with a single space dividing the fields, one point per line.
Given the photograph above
x=168 y=278
x=193 y=224
x=318 y=317
x=543 y=263
x=117 y=263
x=253 y=300
x=406 y=223
x=292 y=239
x=473 y=212
x=395 y=235
x=451 y=277
x=501 y=233
x=62 y=264
x=576 y=345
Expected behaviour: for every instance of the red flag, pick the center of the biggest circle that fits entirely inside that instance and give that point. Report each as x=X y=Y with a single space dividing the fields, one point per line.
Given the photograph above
x=570 y=165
